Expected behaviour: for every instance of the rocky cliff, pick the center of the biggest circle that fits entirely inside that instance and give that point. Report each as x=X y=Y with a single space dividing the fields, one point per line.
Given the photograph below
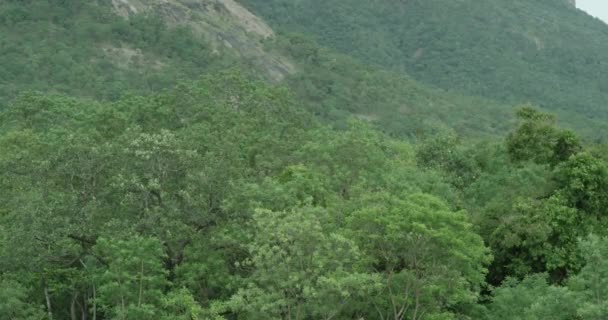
x=224 y=23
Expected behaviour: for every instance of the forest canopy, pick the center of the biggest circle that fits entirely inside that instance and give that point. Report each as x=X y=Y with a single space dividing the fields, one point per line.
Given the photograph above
x=147 y=173
x=222 y=199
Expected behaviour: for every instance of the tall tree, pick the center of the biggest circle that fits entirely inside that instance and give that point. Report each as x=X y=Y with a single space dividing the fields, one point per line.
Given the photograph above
x=430 y=259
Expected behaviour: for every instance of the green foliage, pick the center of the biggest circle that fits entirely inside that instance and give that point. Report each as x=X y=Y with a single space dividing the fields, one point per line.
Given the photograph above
x=82 y=48
x=149 y=208
x=77 y=172
x=14 y=304
x=223 y=198
x=532 y=299
x=542 y=52
x=538 y=236
x=180 y=305
x=301 y=269
x=583 y=182
x=336 y=86
x=538 y=139
x=446 y=154
x=591 y=282
x=430 y=259
x=131 y=285
x=584 y=296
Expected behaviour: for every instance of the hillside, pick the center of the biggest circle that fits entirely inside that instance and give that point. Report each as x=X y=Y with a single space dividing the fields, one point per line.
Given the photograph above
x=105 y=49
x=223 y=24
x=543 y=52
x=338 y=68
x=212 y=160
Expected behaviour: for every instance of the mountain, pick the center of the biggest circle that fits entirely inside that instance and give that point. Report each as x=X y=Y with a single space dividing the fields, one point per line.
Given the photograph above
x=459 y=66
x=101 y=49
x=253 y=160
x=223 y=24
x=544 y=52
x=105 y=49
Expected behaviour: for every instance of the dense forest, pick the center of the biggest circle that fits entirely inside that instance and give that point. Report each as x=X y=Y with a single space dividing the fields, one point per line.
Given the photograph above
x=542 y=52
x=85 y=50
x=187 y=183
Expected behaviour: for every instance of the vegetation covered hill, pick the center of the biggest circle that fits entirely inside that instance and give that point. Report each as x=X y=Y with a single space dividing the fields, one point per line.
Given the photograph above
x=221 y=199
x=543 y=52
x=103 y=49
x=70 y=49
x=140 y=180
x=99 y=49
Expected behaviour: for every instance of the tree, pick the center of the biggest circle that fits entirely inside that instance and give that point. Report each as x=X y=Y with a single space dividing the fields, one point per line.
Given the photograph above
x=430 y=259
x=567 y=145
x=582 y=182
x=355 y=157
x=131 y=285
x=592 y=282
x=300 y=269
x=15 y=304
x=531 y=299
x=180 y=305
x=538 y=139
x=537 y=236
x=445 y=152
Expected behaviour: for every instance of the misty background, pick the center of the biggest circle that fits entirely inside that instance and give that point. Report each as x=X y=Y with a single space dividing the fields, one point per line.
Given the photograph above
x=597 y=8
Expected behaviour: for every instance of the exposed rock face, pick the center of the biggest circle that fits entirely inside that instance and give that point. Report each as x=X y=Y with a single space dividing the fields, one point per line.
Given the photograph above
x=186 y=11
x=224 y=23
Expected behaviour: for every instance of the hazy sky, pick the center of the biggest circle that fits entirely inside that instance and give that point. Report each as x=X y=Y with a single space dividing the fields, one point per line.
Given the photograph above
x=598 y=8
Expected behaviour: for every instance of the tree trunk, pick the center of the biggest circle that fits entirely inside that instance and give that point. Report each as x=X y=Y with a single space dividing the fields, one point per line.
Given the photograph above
x=141 y=284
x=73 y=307
x=48 y=302
x=94 y=303
x=84 y=308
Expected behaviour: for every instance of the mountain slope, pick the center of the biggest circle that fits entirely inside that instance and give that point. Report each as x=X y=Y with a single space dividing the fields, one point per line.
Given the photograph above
x=224 y=24
x=86 y=48
x=105 y=49
x=108 y=48
x=544 y=51
x=223 y=198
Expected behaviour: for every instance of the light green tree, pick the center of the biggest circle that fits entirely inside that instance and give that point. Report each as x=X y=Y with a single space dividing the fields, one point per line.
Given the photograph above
x=592 y=282
x=15 y=303
x=301 y=269
x=531 y=299
x=131 y=285
x=430 y=258
x=582 y=182
x=539 y=139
